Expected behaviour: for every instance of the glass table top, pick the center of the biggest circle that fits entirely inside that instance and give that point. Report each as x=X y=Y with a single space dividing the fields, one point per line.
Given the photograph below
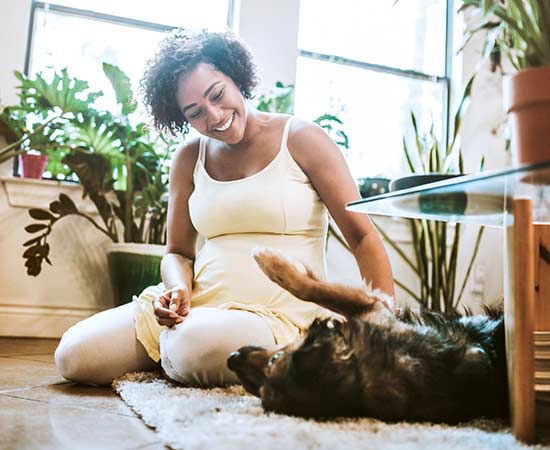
x=484 y=198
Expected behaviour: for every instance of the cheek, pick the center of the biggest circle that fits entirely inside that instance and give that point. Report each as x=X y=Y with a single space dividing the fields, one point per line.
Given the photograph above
x=198 y=124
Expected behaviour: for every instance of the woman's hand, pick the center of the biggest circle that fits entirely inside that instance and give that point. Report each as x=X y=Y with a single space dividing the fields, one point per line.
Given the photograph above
x=172 y=306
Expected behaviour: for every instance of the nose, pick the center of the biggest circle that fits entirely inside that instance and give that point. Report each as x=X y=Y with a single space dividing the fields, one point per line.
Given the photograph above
x=233 y=360
x=215 y=114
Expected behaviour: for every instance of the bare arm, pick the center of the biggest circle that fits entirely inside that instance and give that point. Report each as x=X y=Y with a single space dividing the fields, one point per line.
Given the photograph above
x=320 y=158
x=177 y=264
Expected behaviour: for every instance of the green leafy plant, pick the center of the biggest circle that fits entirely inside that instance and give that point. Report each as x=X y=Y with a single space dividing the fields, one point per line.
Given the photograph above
x=281 y=100
x=45 y=108
x=434 y=263
x=122 y=167
x=518 y=28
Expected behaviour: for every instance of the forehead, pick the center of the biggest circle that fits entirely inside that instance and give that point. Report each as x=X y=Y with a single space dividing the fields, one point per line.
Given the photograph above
x=193 y=85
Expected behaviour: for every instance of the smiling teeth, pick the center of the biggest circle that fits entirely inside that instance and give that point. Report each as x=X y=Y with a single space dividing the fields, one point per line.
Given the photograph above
x=226 y=125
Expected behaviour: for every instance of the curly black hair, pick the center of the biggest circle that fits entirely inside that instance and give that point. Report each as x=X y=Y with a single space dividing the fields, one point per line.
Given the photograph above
x=179 y=53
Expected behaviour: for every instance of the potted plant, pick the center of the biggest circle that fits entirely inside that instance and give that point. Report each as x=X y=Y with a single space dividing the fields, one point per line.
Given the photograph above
x=35 y=126
x=520 y=29
x=122 y=168
x=433 y=262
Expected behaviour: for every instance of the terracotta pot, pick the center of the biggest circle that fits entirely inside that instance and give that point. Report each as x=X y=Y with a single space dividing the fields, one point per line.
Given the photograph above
x=32 y=165
x=527 y=101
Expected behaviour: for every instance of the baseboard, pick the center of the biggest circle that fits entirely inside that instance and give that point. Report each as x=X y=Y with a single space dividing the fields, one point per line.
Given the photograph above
x=40 y=321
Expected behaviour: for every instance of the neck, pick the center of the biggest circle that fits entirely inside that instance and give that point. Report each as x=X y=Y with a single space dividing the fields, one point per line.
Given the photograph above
x=252 y=131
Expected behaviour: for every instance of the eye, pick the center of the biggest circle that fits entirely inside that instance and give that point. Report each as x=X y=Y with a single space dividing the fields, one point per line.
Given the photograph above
x=218 y=96
x=274 y=358
x=195 y=115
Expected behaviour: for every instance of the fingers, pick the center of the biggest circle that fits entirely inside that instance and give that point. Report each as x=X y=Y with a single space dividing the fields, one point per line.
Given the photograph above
x=179 y=301
x=164 y=315
x=172 y=306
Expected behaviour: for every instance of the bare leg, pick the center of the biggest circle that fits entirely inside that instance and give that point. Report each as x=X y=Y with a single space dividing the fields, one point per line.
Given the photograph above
x=195 y=351
x=102 y=347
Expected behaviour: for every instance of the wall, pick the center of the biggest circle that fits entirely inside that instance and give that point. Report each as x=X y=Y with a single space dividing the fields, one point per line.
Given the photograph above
x=78 y=284
x=270 y=28
x=483 y=134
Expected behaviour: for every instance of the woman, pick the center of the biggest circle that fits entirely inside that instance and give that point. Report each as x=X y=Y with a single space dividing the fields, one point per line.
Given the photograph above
x=252 y=179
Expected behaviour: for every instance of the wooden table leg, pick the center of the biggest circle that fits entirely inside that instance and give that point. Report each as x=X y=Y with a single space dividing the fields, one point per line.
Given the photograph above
x=542 y=277
x=520 y=321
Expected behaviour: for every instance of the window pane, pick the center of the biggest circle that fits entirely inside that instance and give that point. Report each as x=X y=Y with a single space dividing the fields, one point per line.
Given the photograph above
x=375 y=109
x=409 y=35
x=82 y=45
x=181 y=13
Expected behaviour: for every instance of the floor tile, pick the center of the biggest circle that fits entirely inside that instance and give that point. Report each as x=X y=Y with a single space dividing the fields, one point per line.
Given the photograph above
x=101 y=399
x=29 y=424
x=19 y=373
x=46 y=358
x=10 y=346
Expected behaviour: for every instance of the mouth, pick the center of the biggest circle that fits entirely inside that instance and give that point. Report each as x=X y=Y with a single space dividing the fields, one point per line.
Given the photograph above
x=225 y=125
x=249 y=370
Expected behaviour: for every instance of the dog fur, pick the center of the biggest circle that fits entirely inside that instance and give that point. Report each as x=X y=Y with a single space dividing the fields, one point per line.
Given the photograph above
x=379 y=362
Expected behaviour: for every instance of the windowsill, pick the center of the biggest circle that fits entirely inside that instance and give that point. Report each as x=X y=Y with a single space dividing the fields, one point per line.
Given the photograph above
x=34 y=193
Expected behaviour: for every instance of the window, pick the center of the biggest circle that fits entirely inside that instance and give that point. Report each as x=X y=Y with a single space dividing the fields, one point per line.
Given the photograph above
x=373 y=63
x=81 y=34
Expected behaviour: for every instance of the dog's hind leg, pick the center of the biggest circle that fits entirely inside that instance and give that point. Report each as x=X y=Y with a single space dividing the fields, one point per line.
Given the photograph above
x=301 y=282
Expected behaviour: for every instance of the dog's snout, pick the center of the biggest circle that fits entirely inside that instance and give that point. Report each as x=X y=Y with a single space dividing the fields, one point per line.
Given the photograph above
x=233 y=360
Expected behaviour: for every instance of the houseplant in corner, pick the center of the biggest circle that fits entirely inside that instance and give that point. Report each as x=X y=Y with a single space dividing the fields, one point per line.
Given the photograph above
x=123 y=170
x=521 y=30
x=35 y=125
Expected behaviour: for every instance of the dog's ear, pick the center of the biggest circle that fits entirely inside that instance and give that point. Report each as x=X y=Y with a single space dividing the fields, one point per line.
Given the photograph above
x=306 y=362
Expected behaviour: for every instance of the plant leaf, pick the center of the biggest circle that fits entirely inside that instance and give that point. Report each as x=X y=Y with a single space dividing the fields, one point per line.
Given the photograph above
x=121 y=85
x=40 y=214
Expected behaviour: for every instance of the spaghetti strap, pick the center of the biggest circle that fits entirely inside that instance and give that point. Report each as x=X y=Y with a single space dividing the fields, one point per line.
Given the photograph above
x=202 y=154
x=285 y=132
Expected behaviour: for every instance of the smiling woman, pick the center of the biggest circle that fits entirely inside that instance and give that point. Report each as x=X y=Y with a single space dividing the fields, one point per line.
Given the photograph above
x=251 y=179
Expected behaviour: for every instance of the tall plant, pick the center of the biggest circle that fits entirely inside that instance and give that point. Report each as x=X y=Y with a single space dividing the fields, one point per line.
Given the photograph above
x=434 y=262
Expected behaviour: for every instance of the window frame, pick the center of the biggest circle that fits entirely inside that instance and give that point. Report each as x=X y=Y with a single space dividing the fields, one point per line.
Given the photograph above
x=97 y=16
x=445 y=80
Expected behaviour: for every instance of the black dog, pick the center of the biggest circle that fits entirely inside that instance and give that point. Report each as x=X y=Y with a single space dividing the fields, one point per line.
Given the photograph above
x=380 y=362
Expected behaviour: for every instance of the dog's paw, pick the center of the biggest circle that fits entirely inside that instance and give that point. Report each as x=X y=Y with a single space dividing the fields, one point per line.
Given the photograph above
x=278 y=267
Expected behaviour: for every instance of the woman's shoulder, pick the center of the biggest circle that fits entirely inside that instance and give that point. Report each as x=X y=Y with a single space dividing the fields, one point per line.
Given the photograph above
x=185 y=157
x=307 y=141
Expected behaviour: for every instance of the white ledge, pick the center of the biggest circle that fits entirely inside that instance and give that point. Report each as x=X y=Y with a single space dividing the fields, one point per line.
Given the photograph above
x=33 y=193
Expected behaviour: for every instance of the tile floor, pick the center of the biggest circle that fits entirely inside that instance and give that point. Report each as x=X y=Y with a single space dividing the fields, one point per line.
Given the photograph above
x=41 y=410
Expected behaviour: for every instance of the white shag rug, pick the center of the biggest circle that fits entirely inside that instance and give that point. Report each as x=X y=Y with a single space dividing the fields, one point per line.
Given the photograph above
x=229 y=418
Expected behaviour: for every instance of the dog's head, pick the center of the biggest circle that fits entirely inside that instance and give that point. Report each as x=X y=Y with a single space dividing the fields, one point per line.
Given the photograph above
x=313 y=377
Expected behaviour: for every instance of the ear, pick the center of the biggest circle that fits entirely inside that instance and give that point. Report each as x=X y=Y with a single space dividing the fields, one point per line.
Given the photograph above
x=306 y=363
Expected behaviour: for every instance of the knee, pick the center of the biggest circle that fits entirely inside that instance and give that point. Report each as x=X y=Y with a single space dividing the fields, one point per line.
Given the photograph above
x=191 y=355
x=73 y=363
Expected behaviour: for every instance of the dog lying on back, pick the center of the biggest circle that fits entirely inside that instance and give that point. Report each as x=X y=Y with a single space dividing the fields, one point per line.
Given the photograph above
x=382 y=363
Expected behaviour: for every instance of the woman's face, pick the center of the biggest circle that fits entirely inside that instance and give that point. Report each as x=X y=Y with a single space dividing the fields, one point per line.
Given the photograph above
x=212 y=104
